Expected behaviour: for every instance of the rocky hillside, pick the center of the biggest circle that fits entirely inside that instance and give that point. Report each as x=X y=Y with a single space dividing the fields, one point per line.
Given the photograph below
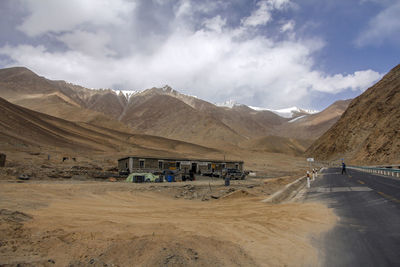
x=369 y=131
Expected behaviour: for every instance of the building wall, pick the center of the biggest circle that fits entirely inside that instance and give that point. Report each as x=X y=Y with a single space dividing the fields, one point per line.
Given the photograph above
x=133 y=163
x=123 y=165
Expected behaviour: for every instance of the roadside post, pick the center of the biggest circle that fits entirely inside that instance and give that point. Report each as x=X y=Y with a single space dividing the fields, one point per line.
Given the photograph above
x=309 y=165
x=309 y=162
x=308 y=172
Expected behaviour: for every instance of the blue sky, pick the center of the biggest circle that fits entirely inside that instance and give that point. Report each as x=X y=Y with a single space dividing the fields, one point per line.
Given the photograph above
x=268 y=53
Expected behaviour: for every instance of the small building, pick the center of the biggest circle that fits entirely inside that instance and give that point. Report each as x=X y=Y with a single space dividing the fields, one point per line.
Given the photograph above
x=128 y=164
x=2 y=160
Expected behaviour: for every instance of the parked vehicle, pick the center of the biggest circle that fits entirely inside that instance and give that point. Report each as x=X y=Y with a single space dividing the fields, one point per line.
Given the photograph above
x=233 y=174
x=147 y=177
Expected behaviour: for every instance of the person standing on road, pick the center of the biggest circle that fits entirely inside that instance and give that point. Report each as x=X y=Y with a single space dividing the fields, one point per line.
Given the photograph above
x=344 y=168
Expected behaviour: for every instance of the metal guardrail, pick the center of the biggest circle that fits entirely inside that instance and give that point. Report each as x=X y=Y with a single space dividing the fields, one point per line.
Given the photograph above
x=383 y=171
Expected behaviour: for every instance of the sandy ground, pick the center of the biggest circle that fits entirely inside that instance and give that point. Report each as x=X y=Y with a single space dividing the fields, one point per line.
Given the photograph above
x=75 y=223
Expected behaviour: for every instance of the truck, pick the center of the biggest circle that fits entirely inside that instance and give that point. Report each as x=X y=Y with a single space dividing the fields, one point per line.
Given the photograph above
x=233 y=174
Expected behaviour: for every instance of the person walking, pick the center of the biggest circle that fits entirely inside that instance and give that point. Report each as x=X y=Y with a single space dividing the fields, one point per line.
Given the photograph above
x=344 y=168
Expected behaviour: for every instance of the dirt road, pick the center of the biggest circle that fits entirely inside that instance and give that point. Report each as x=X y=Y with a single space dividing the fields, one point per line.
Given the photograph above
x=117 y=224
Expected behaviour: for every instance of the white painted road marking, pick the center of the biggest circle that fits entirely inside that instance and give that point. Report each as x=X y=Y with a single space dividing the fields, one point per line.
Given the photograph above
x=339 y=189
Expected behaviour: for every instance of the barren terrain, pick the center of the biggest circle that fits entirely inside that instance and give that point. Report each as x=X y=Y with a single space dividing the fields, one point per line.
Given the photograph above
x=75 y=223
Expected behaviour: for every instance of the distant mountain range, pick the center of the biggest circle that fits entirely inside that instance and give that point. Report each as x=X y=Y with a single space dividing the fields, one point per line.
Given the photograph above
x=166 y=113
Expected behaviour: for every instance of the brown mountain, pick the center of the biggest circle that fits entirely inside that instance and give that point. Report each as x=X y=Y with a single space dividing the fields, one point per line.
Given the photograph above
x=277 y=144
x=23 y=127
x=369 y=131
x=162 y=112
x=57 y=98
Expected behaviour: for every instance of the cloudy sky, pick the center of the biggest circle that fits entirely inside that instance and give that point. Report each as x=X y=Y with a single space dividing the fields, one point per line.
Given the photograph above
x=268 y=53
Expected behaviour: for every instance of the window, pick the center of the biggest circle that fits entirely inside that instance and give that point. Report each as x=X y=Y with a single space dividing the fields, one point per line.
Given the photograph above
x=237 y=166
x=178 y=165
x=141 y=163
x=223 y=165
x=209 y=166
x=161 y=165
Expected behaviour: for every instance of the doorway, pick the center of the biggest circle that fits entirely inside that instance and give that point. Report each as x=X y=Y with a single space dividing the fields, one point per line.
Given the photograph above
x=194 y=167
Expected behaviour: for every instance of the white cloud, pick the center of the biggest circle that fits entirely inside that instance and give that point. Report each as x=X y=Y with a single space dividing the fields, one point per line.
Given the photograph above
x=358 y=81
x=383 y=27
x=263 y=14
x=59 y=15
x=288 y=26
x=215 y=24
x=89 y=43
x=209 y=59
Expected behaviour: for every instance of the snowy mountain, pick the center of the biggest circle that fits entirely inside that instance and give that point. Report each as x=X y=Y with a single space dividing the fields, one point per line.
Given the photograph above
x=288 y=112
x=228 y=104
x=127 y=93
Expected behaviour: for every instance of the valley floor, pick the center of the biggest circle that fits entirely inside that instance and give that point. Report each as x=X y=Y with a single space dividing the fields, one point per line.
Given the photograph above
x=81 y=223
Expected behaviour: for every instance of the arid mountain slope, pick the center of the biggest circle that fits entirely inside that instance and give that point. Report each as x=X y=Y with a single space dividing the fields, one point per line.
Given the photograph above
x=157 y=114
x=277 y=144
x=312 y=126
x=23 y=127
x=56 y=98
x=369 y=131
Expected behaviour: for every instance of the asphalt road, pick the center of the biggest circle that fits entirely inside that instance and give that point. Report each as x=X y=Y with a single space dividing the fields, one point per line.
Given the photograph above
x=368 y=207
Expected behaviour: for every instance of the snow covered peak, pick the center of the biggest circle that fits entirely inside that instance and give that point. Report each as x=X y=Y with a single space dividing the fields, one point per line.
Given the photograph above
x=128 y=94
x=287 y=112
x=168 y=89
x=228 y=104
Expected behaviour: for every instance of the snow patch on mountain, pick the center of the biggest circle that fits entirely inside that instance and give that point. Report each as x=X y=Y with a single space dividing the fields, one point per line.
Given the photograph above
x=228 y=104
x=298 y=118
x=286 y=112
x=128 y=94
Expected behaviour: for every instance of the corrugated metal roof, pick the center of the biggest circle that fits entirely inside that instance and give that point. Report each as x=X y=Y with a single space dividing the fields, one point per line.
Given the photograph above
x=183 y=159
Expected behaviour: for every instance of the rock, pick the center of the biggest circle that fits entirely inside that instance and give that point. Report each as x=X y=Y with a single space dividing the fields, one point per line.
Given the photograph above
x=205 y=198
x=230 y=190
x=79 y=177
x=24 y=177
x=14 y=216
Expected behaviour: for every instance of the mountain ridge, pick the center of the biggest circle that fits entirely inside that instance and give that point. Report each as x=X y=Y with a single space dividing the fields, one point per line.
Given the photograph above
x=162 y=112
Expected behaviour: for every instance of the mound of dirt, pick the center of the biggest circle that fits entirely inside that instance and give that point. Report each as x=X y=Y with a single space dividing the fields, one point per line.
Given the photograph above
x=238 y=194
x=172 y=250
x=13 y=216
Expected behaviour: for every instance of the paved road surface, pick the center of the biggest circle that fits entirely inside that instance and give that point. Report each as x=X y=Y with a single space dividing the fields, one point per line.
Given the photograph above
x=368 y=232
